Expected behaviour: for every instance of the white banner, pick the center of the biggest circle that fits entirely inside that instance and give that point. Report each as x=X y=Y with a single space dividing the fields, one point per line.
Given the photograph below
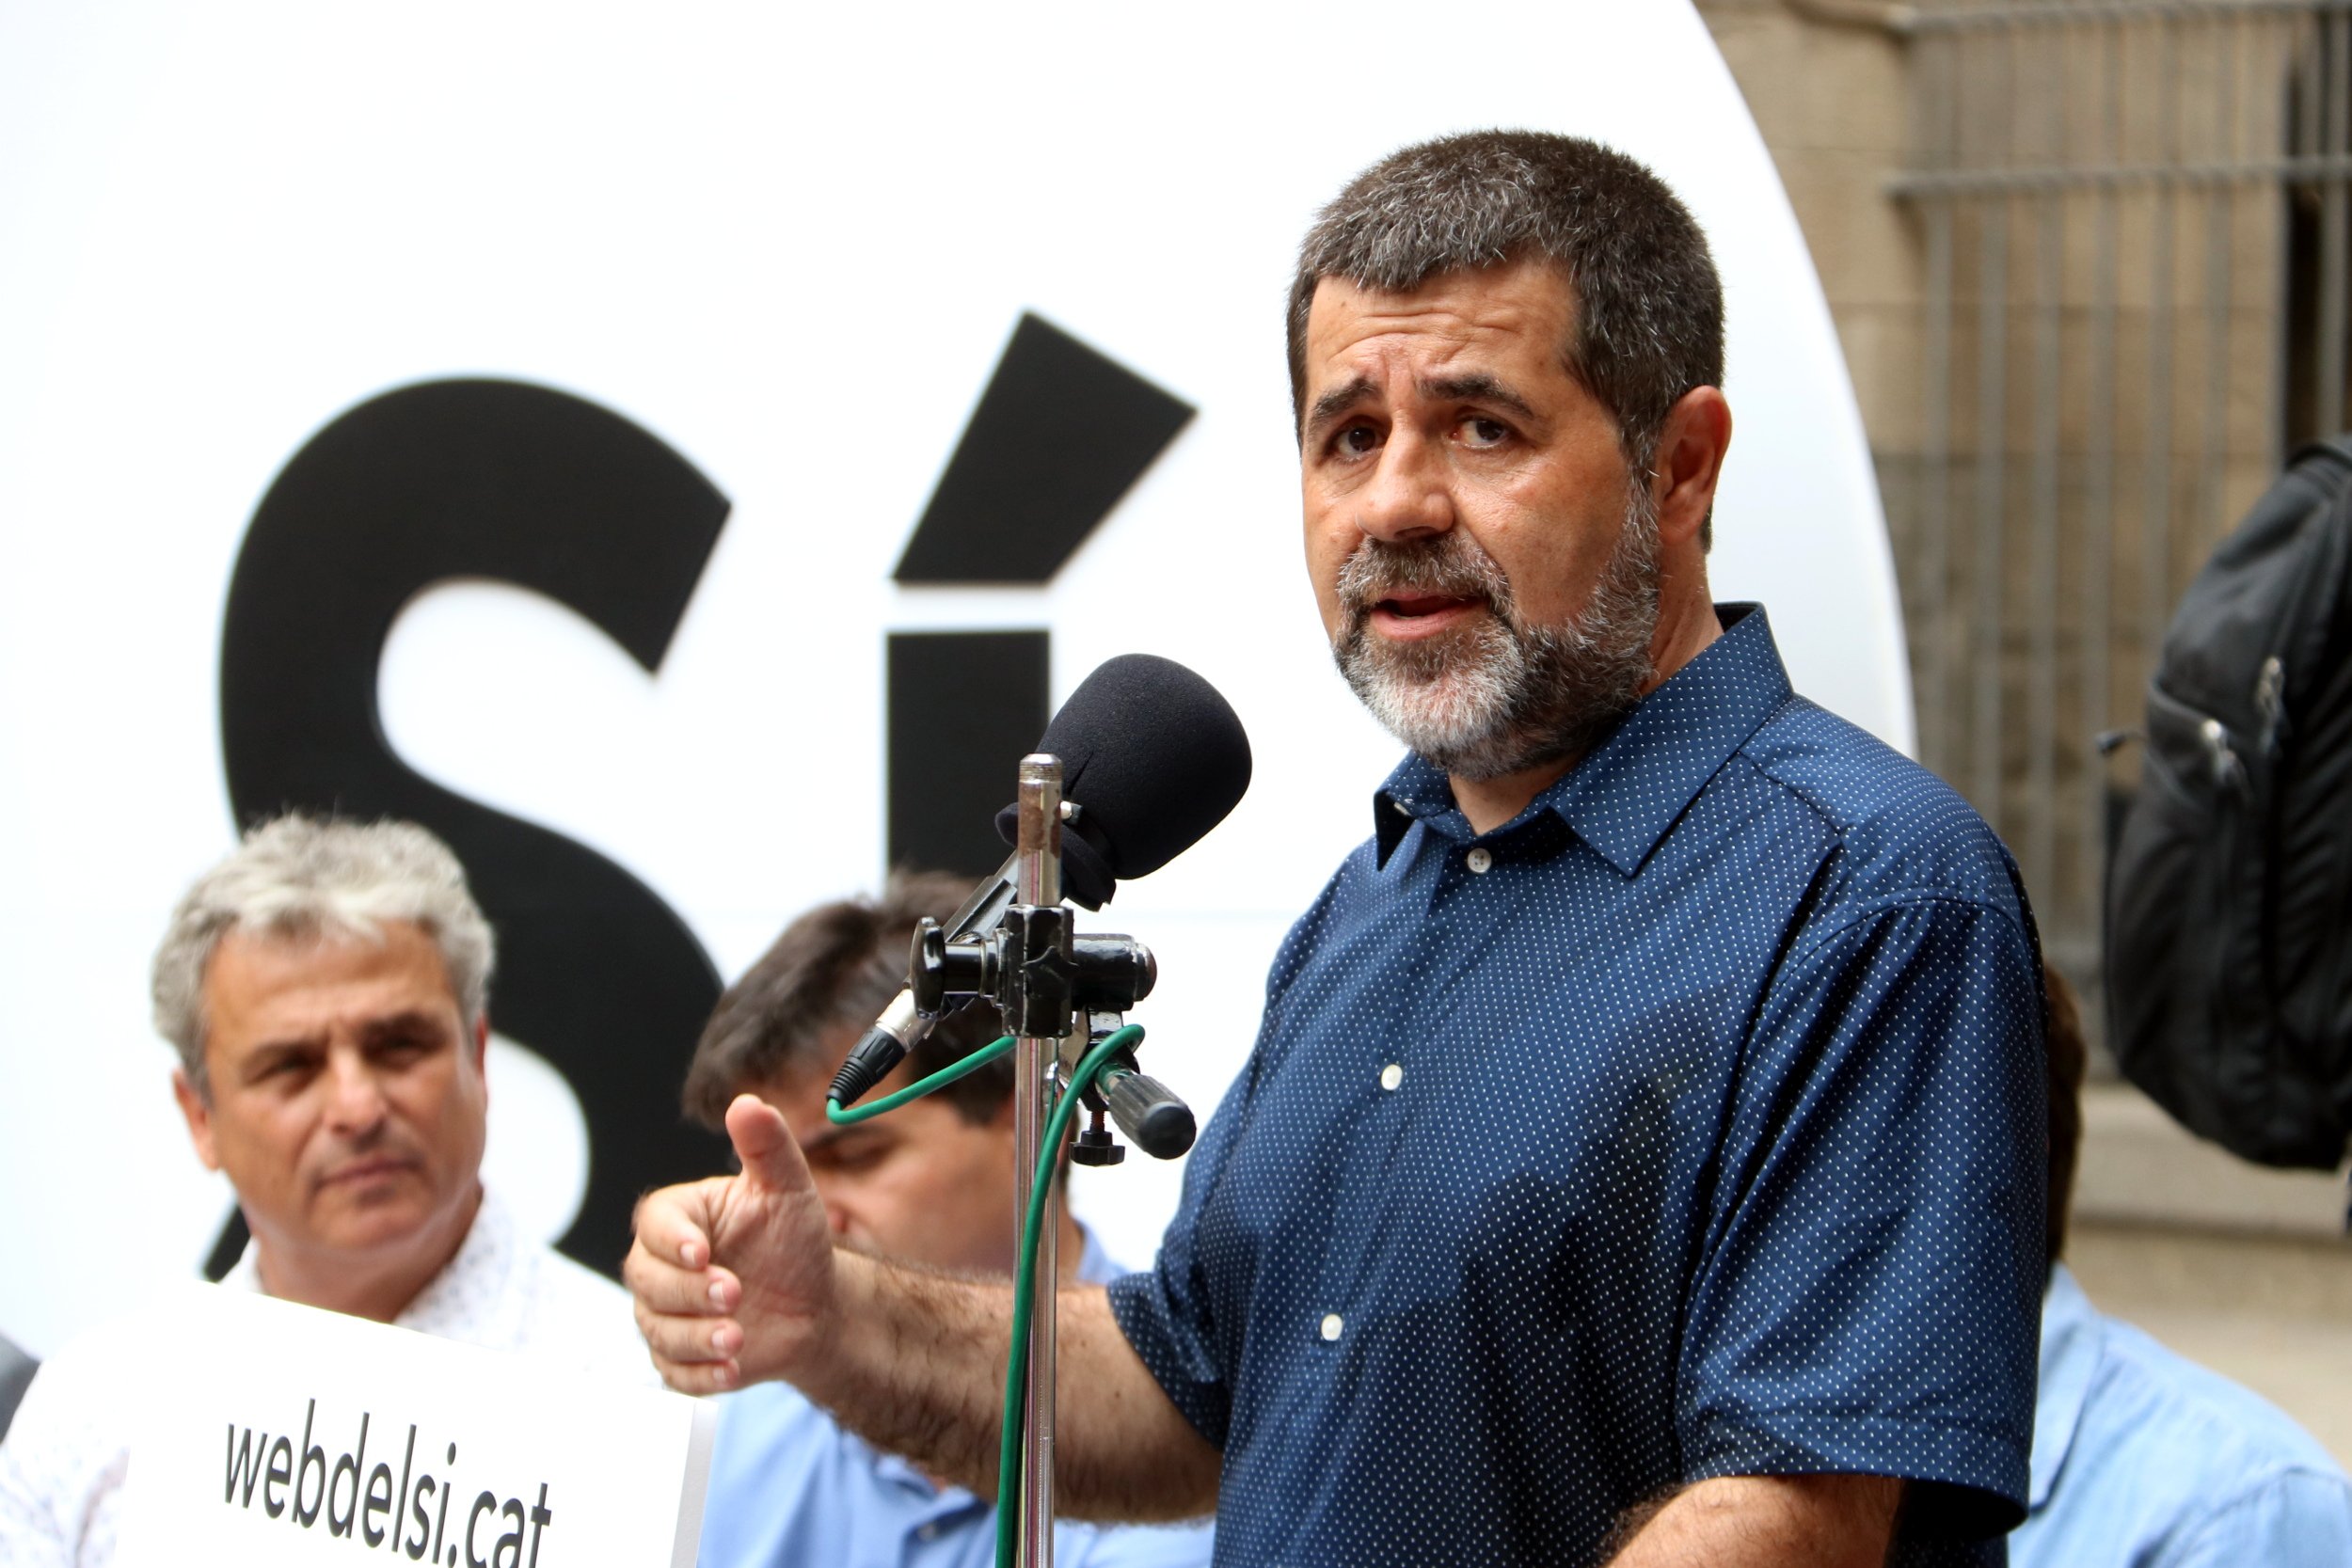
x=276 y=1433
x=794 y=243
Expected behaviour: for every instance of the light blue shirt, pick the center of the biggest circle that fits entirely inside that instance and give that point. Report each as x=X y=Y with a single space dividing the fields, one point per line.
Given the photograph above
x=792 y=1489
x=2144 y=1459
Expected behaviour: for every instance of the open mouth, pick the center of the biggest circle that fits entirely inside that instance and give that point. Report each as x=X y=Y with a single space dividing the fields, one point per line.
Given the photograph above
x=1404 y=617
x=1419 y=606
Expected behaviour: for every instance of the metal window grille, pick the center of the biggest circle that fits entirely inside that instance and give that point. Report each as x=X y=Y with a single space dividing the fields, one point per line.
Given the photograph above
x=2133 y=225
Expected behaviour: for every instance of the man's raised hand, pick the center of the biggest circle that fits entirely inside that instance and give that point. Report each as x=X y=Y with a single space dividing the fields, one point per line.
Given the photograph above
x=733 y=1275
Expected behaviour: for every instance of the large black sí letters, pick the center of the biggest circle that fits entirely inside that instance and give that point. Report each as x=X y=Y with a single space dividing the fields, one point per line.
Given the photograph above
x=524 y=485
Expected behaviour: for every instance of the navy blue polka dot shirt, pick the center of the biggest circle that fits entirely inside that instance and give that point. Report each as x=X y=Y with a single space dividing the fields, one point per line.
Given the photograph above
x=1688 y=1125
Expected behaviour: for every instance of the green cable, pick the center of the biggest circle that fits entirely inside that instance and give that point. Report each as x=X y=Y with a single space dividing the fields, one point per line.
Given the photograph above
x=1032 y=1227
x=1024 y=1303
x=846 y=1116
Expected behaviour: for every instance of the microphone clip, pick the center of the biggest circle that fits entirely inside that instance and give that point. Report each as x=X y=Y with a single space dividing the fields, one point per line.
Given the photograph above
x=1034 y=967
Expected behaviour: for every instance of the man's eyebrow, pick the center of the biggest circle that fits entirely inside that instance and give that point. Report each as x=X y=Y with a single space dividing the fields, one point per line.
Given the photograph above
x=1471 y=386
x=1337 y=401
x=1476 y=387
x=270 y=1052
x=833 y=1137
x=408 y=1022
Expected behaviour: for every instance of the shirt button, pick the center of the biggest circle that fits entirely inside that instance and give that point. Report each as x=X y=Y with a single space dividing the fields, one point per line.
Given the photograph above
x=928 y=1532
x=1332 y=1325
x=1391 y=1076
x=1480 y=859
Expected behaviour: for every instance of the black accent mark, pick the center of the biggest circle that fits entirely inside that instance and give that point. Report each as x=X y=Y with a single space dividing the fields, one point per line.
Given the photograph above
x=534 y=487
x=965 y=707
x=1058 y=435
x=1061 y=434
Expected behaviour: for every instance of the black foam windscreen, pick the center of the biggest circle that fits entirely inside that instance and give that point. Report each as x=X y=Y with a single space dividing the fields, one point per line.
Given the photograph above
x=1154 y=758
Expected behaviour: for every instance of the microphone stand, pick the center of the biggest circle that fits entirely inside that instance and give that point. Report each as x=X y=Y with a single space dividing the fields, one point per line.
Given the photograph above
x=1037 y=852
x=1056 y=991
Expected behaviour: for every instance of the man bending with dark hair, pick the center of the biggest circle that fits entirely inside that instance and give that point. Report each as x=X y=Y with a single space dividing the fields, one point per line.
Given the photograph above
x=930 y=1185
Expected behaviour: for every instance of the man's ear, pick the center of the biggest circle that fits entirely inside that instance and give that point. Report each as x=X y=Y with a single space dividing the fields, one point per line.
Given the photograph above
x=1689 y=463
x=481 y=1051
x=199 y=1117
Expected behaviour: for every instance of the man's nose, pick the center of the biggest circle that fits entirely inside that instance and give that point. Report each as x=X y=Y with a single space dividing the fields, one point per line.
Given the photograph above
x=354 y=1095
x=1409 y=496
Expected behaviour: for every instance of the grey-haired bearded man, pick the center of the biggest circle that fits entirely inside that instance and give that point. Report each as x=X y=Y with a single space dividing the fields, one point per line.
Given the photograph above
x=326 y=986
x=1641 y=1155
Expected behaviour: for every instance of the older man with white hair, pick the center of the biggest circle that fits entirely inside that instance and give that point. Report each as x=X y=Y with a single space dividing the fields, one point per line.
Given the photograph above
x=326 y=986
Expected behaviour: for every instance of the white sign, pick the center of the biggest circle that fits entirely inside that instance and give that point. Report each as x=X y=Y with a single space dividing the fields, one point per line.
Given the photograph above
x=286 y=1434
x=792 y=242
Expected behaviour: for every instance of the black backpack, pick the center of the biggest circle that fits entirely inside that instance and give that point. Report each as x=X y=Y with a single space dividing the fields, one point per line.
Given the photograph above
x=2228 y=953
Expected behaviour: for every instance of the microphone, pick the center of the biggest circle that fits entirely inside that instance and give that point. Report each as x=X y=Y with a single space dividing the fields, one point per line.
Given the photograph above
x=1153 y=757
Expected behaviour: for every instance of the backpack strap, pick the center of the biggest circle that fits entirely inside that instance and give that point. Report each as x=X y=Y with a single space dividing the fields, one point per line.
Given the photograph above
x=2333 y=448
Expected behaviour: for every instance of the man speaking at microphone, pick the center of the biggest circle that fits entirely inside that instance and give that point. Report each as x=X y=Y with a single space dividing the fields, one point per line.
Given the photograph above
x=1640 y=1156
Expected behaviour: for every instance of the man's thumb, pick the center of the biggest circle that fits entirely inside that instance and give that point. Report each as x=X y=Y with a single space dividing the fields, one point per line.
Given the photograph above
x=770 y=1157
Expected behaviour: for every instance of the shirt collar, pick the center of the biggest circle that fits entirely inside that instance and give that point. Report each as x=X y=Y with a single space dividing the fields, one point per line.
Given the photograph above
x=1623 y=798
x=473 y=1298
x=2069 y=1359
x=454 y=1300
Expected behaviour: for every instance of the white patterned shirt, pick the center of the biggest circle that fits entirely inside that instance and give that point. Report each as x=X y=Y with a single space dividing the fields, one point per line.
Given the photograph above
x=65 y=1453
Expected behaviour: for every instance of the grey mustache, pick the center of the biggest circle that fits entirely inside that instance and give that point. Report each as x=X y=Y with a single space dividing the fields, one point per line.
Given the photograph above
x=1450 y=564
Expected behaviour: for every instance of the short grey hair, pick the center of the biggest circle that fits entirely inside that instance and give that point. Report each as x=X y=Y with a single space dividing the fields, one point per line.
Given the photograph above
x=297 y=876
x=1649 y=318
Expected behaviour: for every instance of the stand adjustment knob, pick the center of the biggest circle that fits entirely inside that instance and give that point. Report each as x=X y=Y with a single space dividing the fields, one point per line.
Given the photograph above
x=1155 y=1120
x=1095 y=1146
x=939 y=970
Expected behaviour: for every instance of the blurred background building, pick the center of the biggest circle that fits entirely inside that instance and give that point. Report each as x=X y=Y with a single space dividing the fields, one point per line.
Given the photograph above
x=2087 y=260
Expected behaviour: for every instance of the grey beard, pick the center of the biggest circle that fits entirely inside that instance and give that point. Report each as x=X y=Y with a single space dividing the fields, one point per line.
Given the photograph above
x=1500 y=696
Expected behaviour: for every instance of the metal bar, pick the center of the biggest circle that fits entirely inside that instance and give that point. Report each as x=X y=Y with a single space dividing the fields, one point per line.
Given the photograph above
x=2042 y=678
x=2310 y=138
x=2328 y=403
x=2026 y=179
x=1935 y=415
x=1876 y=15
x=2220 y=234
x=1986 y=631
x=1037 y=881
x=2098 y=490
x=2156 y=500
x=2279 y=57
x=2050 y=13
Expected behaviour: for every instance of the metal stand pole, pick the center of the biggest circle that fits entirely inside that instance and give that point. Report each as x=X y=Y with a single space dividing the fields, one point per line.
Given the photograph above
x=1037 y=875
